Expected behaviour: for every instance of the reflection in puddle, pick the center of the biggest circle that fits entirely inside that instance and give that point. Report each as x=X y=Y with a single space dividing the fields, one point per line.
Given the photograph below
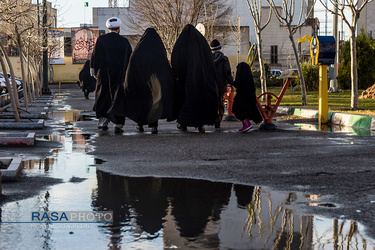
x=335 y=129
x=67 y=116
x=157 y=213
x=201 y=214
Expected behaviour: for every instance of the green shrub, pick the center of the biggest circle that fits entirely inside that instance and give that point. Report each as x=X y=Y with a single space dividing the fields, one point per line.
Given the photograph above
x=365 y=63
x=256 y=76
x=311 y=76
x=271 y=80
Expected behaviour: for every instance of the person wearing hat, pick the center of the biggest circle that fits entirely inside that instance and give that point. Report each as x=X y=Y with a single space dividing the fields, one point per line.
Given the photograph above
x=109 y=62
x=223 y=77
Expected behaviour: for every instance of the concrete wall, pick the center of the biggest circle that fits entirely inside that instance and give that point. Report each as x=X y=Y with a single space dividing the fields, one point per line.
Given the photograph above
x=66 y=72
x=367 y=20
x=102 y=14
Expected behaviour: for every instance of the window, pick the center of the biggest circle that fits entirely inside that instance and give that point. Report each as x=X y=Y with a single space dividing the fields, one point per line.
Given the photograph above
x=68 y=46
x=274 y=54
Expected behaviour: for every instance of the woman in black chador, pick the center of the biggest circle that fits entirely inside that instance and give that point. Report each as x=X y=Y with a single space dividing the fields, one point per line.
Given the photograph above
x=244 y=103
x=88 y=82
x=149 y=83
x=195 y=71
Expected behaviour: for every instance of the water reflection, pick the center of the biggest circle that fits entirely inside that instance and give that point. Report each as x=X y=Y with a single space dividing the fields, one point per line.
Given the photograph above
x=157 y=213
x=209 y=215
x=335 y=129
x=68 y=116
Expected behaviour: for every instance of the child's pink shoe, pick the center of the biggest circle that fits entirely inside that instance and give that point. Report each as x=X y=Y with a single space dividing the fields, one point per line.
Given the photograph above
x=246 y=126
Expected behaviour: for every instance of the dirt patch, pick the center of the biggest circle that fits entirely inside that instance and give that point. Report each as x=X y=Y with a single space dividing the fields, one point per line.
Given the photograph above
x=369 y=93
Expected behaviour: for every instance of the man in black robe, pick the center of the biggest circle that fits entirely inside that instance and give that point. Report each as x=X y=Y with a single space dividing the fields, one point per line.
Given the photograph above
x=193 y=65
x=109 y=62
x=149 y=84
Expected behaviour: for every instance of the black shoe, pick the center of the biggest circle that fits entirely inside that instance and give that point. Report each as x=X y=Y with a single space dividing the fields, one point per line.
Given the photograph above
x=86 y=94
x=182 y=127
x=104 y=128
x=118 y=130
x=154 y=130
x=202 y=129
x=217 y=124
x=140 y=128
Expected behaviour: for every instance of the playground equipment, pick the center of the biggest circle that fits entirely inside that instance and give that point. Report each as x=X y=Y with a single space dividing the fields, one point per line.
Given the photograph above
x=322 y=52
x=268 y=110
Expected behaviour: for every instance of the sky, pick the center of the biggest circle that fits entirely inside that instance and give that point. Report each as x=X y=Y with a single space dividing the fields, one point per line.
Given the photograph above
x=72 y=13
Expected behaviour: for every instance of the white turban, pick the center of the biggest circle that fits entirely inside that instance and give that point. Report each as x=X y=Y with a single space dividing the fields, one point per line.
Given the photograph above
x=113 y=23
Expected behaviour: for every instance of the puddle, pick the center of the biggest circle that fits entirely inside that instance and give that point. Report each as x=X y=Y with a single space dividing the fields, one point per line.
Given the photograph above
x=334 y=129
x=67 y=116
x=165 y=213
x=157 y=213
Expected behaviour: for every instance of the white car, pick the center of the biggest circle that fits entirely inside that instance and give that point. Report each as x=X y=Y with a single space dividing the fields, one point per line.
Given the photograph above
x=276 y=72
x=3 y=88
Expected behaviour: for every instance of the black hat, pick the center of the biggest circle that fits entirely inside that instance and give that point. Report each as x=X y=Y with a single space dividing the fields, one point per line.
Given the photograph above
x=215 y=45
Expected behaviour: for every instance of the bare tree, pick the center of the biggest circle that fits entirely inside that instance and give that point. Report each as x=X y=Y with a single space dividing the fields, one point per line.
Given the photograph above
x=169 y=17
x=351 y=19
x=285 y=15
x=256 y=9
x=210 y=15
x=9 y=87
x=16 y=22
x=237 y=34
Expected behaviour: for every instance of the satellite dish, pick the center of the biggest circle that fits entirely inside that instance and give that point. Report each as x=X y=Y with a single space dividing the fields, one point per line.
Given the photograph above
x=200 y=28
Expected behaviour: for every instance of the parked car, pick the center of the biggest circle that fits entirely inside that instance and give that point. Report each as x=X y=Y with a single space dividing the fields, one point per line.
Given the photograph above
x=276 y=72
x=3 y=88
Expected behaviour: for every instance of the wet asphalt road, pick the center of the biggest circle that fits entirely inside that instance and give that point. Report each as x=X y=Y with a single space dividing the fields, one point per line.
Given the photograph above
x=337 y=166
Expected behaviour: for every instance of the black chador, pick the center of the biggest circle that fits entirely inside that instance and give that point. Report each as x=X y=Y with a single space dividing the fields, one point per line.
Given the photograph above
x=88 y=82
x=110 y=60
x=149 y=83
x=193 y=65
x=244 y=103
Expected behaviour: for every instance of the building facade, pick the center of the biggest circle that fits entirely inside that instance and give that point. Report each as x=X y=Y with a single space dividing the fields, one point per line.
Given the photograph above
x=367 y=20
x=277 y=48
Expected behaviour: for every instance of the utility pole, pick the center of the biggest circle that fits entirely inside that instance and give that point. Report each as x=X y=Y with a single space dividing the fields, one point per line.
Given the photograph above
x=45 y=88
x=333 y=86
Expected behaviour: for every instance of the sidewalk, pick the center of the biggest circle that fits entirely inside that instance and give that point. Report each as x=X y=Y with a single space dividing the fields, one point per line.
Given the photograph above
x=337 y=118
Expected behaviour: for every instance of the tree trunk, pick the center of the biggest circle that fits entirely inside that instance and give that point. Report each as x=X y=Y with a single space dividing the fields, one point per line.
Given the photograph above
x=7 y=83
x=27 y=92
x=37 y=76
x=263 y=80
x=29 y=78
x=301 y=78
x=14 y=89
x=353 y=71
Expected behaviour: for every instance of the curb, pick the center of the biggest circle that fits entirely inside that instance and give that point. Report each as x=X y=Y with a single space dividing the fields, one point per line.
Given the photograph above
x=337 y=118
x=17 y=139
x=13 y=170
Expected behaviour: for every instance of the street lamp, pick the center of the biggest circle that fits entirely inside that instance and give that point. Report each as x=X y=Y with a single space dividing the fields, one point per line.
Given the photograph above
x=45 y=88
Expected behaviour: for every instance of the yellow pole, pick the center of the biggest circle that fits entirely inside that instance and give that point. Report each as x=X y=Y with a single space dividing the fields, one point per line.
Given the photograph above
x=323 y=94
